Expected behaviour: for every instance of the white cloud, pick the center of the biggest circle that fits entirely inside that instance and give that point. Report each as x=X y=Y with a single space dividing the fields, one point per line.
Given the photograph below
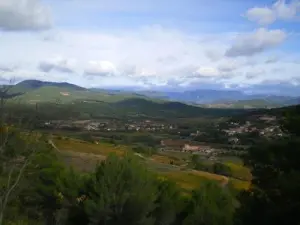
x=272 y=59
x=7 y=68
x=58 y=64
x=262 y=16
x=280 y=10
x=214 y=55
x=207 y=72
x=146 y=72
x=258 y=41
x=286 y=11
x=24 y=15
x=152 y=56
x=100 y=68
x=228 y=66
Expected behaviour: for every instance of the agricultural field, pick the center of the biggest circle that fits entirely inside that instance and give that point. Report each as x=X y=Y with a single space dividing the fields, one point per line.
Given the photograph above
x=104 y=149
x=85 y=156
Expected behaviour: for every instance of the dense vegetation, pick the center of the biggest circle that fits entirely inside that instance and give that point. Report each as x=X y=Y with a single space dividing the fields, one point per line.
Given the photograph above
x=119 y=191
x=36 y=187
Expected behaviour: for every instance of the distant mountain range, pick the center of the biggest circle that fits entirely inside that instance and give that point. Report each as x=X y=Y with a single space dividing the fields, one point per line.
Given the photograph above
x=226 y=97
x=37 y=91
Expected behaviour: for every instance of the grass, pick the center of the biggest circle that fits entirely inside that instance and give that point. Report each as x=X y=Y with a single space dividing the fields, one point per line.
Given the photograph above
x=240 y=172
x=239 y=184
x=84 y=156
x=190 y=180
x=104 y=149
x=167 y=159
x=83 y=162
x=210 y=176
x=176 y=155
x=184 y=179
x=232 y=159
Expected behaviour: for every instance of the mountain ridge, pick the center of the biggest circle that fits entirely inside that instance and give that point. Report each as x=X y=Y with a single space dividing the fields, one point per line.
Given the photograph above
x=35 y=84
x=201 y=97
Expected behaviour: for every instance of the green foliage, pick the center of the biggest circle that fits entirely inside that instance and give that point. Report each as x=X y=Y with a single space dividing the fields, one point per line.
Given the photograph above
x=198 y=163
x=274 y=197
x=168 y=203
x=217 y=167
x=13 y=144
x=144 y=150
x=291 y=121
x=222 y=169
x=41 y=200
x=73 y=193
x=145 y=139
x=210 y=204
x=121 y=192
x=87 y=137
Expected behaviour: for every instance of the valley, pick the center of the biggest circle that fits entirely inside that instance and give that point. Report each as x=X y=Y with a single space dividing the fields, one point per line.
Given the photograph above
x=149 y=112
x=89 y=125
x=185 y=145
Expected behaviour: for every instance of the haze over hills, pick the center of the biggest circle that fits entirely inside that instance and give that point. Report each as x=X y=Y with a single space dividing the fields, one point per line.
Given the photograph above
x=207 y=96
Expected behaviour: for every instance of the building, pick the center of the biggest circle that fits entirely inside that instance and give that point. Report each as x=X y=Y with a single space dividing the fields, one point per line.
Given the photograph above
x=173 y=144
x=191 y=148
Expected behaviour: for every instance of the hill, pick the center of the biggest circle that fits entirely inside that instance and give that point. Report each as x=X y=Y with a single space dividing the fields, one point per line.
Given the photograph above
x=134 y=108
x=35 y=84
x=44 y=91
x=27 y=86
x=69 y=94
x=100 y=103
x=252 y=103
x=226 y=98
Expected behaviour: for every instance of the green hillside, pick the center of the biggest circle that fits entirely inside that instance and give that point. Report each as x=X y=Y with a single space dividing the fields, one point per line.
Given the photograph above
x=86 y=104
x=252 y=103
x=68 y=95
x=35 y=84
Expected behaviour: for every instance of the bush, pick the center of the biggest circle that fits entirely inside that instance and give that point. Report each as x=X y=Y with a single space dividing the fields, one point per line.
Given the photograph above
x=222 y=169
x=144 y=150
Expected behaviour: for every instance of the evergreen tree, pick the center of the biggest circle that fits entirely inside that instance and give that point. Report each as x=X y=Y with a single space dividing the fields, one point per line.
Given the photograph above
x=121 y=192
x=210 y=204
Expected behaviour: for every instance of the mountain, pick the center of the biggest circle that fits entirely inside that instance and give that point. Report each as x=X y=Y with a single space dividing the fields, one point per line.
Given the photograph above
x=205 y=96
x=67 y=95
x=252 y=103
x=41 y=91
x=35 y=84
x=226 y=98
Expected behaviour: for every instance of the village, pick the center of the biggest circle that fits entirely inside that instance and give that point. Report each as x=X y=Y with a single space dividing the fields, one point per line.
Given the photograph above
x=264 y=126
x=232 y=133
x=110 y=125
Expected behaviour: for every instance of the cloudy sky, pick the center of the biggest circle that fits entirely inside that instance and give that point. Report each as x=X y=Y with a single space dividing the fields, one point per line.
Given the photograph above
x=153 y=44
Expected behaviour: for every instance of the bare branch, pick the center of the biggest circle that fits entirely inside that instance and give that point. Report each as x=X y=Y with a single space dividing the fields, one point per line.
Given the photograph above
x=6 y=196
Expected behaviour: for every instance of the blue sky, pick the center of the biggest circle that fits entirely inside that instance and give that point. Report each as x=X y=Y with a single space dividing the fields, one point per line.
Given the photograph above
x=153 y=44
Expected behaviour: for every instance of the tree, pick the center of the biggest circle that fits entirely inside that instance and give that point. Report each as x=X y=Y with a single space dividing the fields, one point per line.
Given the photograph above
x=274 y=197
x=43 y=175
x=209 y=204
x=168 y=203
x=222 y=169
x=73 y=186
x=121 y=192
x=199 y=164
x=16 y=152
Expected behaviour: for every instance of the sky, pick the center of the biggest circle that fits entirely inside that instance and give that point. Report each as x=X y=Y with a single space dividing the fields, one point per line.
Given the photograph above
x=251 y=45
